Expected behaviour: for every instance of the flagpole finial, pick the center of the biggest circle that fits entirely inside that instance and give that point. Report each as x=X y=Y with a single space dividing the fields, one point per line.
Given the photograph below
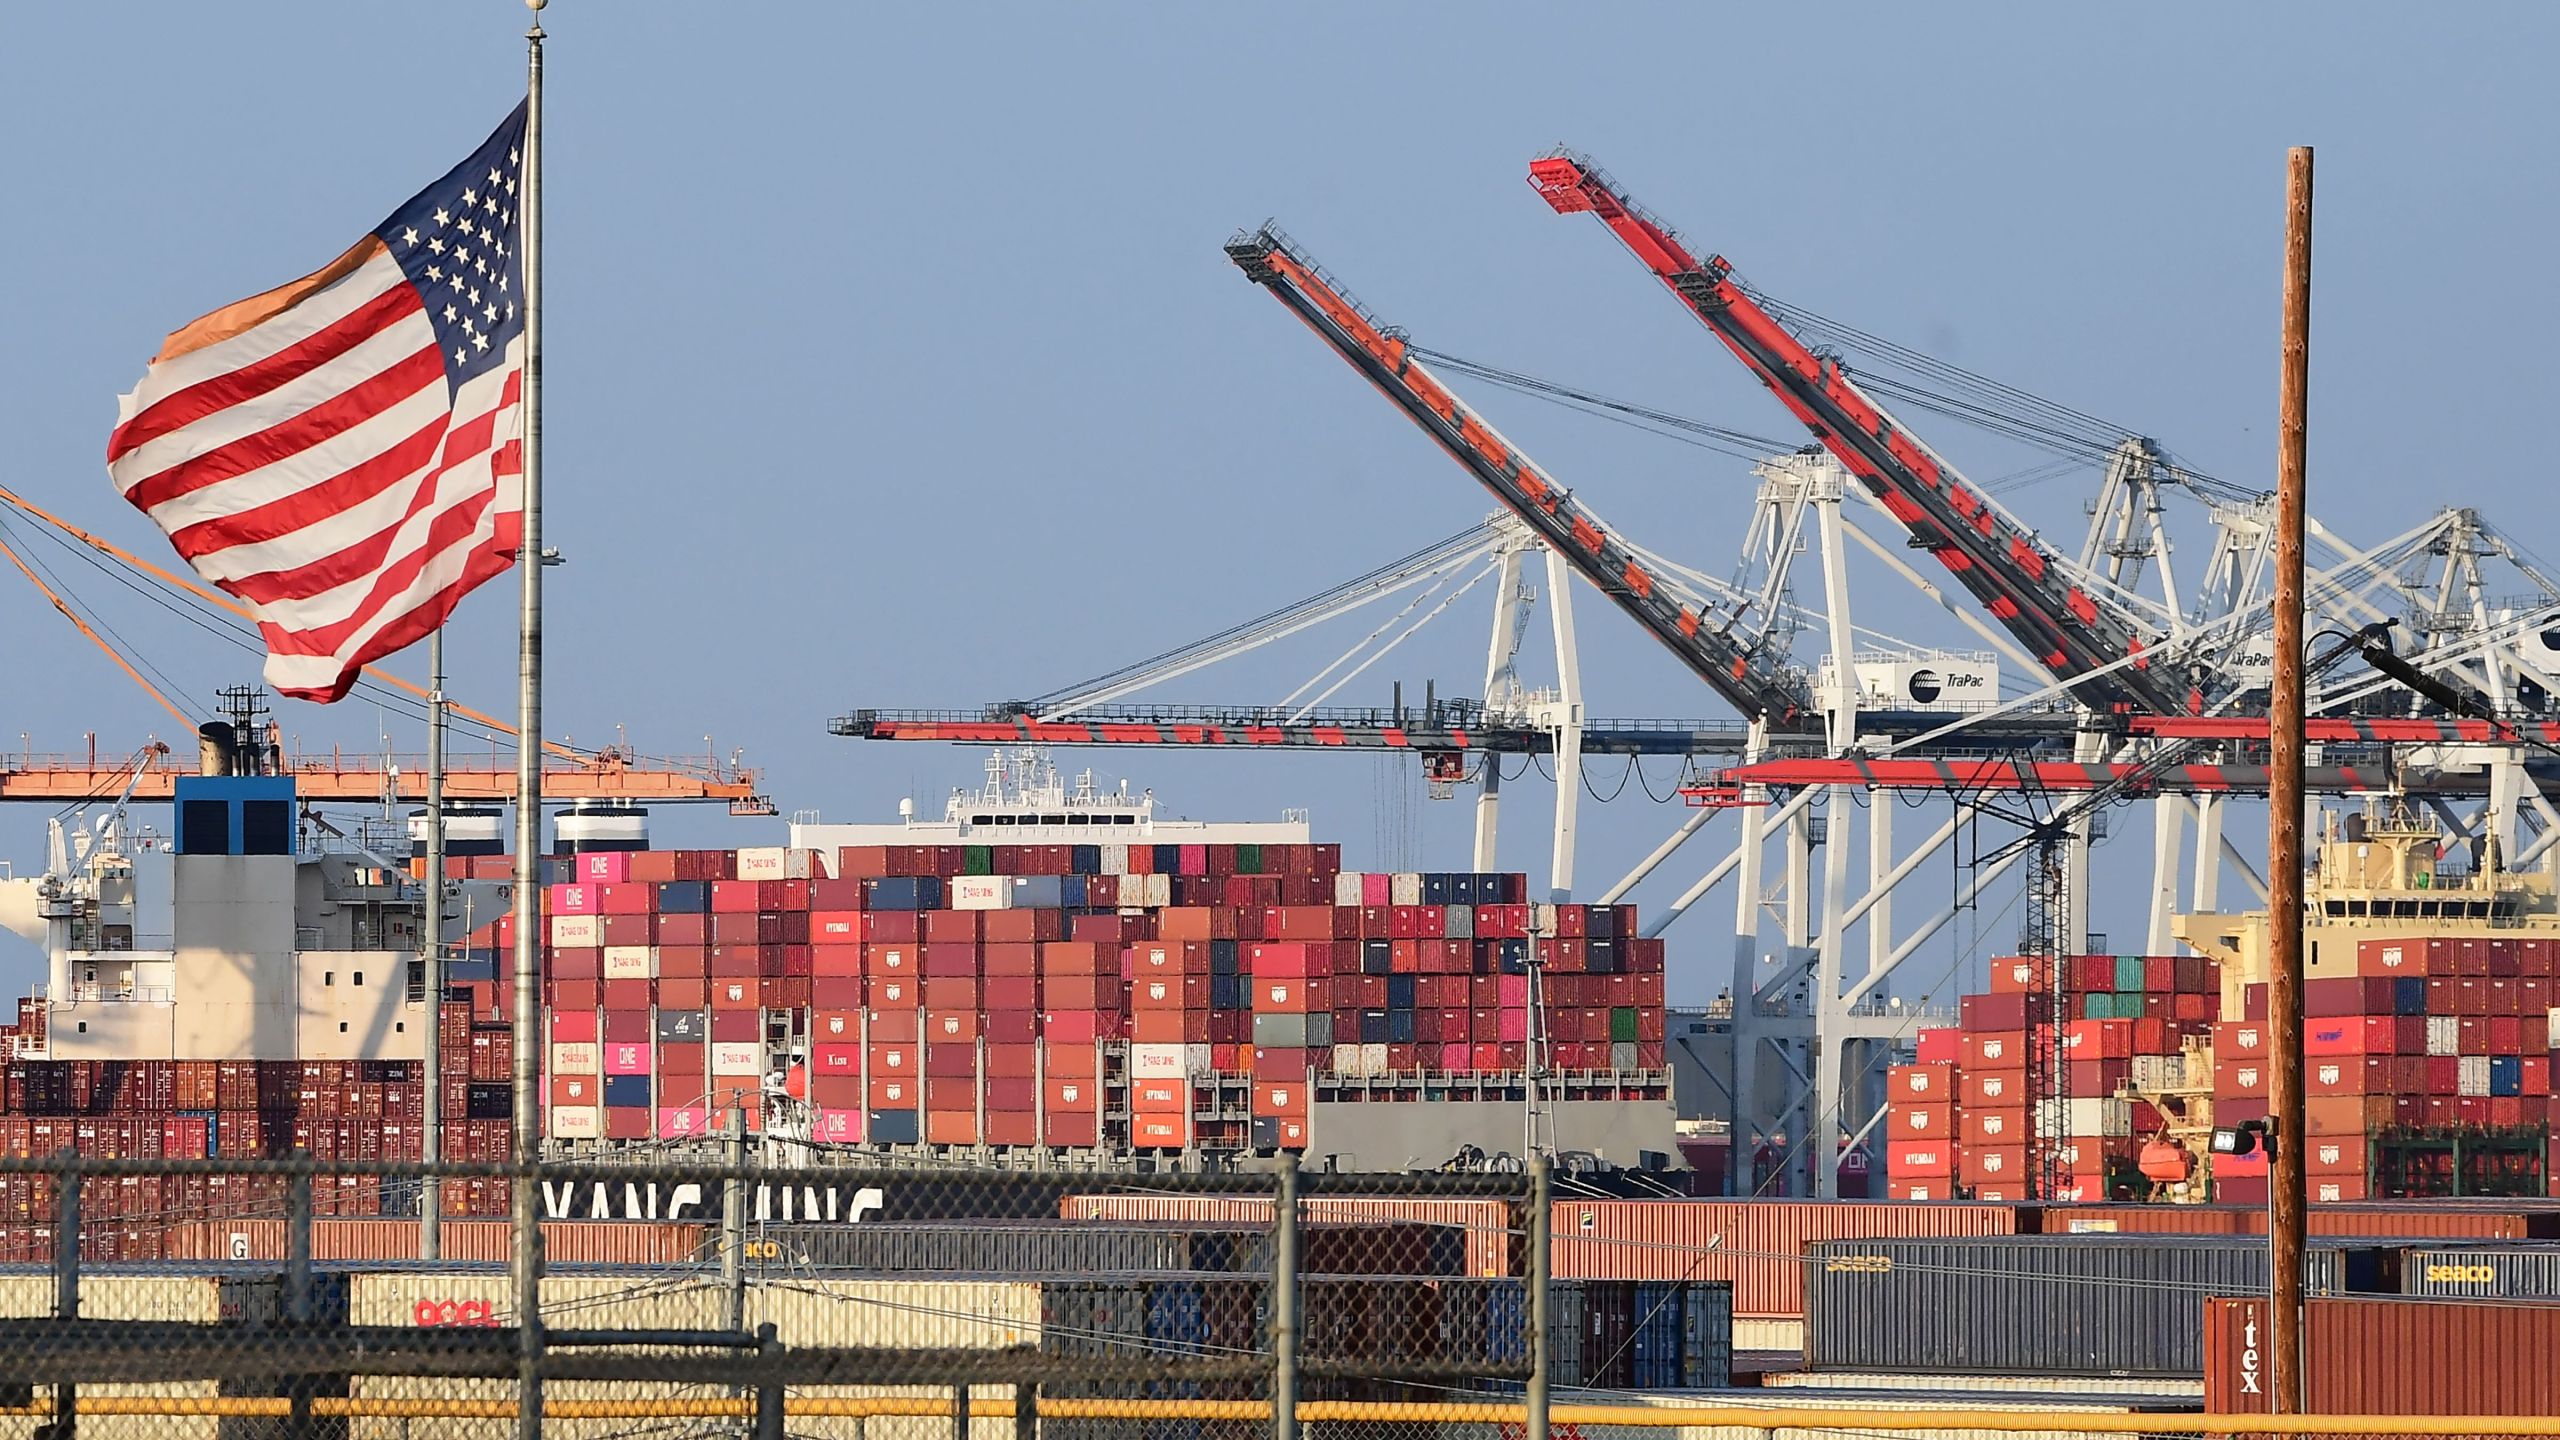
x=535 y=4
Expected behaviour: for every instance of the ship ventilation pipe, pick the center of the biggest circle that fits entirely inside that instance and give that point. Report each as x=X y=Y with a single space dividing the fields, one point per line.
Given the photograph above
x=215 y=745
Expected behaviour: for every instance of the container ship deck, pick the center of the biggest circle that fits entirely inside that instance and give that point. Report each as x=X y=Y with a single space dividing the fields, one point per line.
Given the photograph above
x=1046 y=977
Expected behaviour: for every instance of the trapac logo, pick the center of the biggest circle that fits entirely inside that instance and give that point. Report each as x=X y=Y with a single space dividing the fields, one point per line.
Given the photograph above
x=1859 y=1264
x=2462 y=1274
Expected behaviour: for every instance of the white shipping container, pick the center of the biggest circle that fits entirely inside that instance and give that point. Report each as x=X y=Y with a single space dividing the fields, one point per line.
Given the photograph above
x=1158 y=1062
x=2474 y=1075
x=2158 y=1072
x=1115 y=859
x=1404 y=888
x=1460 y=921
x=1195 y=1060
x=1373 y=1059
x=577 y=931
x=737 y=1057
x=2102 y=1117
x=1159 y=892
x=576 y=1057
x=631 y=962
x=574 y=1122
x=1346 y=888
x=773 y=862
x=980 y=892
x=2444 y=1035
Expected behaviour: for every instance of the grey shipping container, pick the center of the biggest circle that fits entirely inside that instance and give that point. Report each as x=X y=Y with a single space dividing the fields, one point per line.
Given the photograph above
x=2044 y=1304
x=2483 y=1272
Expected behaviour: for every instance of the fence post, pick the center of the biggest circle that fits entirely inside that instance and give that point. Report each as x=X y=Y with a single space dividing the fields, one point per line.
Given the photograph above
x=1541 y=1280
x=66 y=1287
x=733 y=1219
x=768 y=1394
x=1284 y=1302
x=960 y=1412
x=1026 y=1412
x=297 y=1289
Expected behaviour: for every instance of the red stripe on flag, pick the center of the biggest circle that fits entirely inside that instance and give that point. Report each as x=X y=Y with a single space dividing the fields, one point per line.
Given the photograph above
x=450 y=530
x=330 y=571
x=323 y=422
x=314 y=504
x=221 y=392
x=406 y=630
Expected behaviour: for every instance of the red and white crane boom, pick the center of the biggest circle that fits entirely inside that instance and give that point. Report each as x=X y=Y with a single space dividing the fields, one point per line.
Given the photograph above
x=2028 y=588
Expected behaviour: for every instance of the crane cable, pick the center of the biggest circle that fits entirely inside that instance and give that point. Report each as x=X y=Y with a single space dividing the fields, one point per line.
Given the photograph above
x=95 y=638
x=216 y=598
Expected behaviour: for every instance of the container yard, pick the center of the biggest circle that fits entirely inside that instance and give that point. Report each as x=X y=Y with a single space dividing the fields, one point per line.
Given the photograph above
x=1742 y=1008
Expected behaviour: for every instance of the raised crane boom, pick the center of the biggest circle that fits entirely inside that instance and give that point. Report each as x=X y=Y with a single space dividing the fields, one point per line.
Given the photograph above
x=1704 y=636
x=2022 y=583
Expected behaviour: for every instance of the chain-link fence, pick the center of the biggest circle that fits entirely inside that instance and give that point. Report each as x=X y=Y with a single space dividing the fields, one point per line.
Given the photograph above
x=289 y=1298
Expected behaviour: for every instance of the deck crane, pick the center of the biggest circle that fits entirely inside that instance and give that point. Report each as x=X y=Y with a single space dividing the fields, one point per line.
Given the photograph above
x=2026 y=586
x=1713 y=639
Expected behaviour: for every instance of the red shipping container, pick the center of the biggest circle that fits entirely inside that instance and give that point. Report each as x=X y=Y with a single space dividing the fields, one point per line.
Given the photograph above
x=2002 y=1050
x=1991 y=1088
x=1071 y=1027
x=2021 y=973
x=1993 y=1166
x=893 y=927
x=1992 y=1129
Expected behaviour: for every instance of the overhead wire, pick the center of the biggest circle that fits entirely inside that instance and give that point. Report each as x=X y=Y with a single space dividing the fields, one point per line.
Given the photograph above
x=123 y=650
x=233 y=632
x=1740 y=444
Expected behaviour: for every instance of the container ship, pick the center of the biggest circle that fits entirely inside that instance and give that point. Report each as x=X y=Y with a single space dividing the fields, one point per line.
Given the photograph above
x=1048 y=976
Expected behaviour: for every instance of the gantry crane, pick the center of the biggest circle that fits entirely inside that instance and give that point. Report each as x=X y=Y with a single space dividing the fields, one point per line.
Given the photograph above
x=1716 y=640
x=2083 y=638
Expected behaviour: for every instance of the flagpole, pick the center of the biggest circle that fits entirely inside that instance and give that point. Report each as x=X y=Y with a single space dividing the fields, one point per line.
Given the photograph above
x=431 y=953
x=526 y=1258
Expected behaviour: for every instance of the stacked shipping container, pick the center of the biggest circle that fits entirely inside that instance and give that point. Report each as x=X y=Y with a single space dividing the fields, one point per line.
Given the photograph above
x=1062 y=996
x=2427 y=1071
x=1967 y=1120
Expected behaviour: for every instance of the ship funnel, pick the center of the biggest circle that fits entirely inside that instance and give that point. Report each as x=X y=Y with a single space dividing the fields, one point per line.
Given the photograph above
x=216 y=744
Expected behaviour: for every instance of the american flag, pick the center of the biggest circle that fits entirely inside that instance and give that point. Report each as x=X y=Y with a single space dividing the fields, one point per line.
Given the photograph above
x=344 y=453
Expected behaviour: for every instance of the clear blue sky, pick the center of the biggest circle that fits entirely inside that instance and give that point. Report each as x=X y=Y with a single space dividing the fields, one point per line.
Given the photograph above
x=894 y=361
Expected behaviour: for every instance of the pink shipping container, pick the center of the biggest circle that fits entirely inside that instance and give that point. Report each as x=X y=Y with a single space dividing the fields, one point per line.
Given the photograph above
x=623 y=1058
x=680 y=1122
x=604 y=867
x=838 y=1127
x=1758 y=1245
x=1496 y=1246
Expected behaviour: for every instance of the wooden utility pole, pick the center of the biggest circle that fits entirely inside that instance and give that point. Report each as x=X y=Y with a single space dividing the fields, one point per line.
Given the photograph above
x=2286 y=1198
